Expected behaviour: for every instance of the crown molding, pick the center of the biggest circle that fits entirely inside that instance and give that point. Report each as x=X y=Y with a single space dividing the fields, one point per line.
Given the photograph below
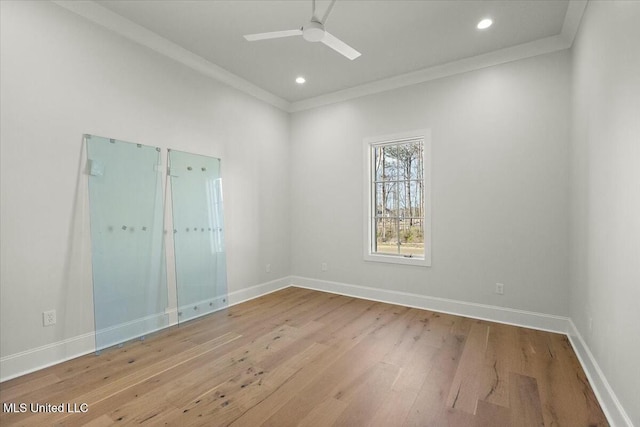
x=128 y=29
x=132 y=31
x=562 y=41
x=514 y=53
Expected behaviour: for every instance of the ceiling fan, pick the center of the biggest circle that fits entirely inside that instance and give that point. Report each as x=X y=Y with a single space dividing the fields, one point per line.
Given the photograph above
x=313 y=32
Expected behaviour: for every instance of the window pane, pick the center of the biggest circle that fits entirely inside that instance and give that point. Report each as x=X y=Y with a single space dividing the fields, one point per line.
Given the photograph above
x=378 y=200
x=378 y=163
x=386 y=235
x=414 y=158
x=413 y=248
x=404 y=199
x=403 y=155
x=411 y=236
x=390 y=163
x=386 y=199
x=409 y=198
x=418 y=190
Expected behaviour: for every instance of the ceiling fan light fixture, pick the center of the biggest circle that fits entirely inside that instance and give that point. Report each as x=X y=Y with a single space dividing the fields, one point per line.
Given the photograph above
x=300 y=80
x=313 y=32
x=484 y=24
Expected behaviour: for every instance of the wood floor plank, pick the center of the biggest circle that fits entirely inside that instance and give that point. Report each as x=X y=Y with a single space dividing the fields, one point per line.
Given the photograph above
x=501 y=358
x=323 y=414
x=235 y=397
x=101 y=421
x=524 y=401
x=431 y=400
x=394 y=409
x=415 y=327
x=368 y=397
x=566 y=396
x=19 y=388
x=303 y=357
x=492 y=415
x=338 y=380
x=293 y=388
x=463 y=394
x=414 y=372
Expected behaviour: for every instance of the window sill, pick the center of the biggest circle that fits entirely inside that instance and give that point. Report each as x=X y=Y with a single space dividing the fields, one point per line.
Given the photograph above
x=398 y=259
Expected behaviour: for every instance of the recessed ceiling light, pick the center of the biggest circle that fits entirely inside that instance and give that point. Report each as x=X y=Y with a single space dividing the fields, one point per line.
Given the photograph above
x=485 y=23
x=300 y=80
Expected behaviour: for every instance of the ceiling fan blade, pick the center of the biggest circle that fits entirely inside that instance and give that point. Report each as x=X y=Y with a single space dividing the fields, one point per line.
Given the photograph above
x=340 y=46
x=273 y=35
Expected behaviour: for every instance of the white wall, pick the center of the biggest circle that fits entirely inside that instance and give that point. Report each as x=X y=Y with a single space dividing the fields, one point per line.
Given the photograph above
x=500 y=198
x=61 y=77
x=605 y=184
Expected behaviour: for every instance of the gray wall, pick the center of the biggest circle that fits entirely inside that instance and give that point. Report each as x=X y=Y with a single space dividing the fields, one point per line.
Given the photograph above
x=500 y=155
x=605 y=184
x=61 y=77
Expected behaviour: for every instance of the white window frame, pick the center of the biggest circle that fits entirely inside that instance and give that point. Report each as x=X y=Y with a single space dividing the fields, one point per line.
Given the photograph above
x=369 y=209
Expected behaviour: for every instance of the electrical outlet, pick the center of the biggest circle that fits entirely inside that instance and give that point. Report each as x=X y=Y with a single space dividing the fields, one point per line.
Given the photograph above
x=49 y=318
x=499 y=288
x=268 y=268
x=323 y=266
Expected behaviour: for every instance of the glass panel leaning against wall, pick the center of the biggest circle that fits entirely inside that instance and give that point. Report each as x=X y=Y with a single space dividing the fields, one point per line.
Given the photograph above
x=198 y=234
x=130 y=285
x=398 y=212
x=126 y=209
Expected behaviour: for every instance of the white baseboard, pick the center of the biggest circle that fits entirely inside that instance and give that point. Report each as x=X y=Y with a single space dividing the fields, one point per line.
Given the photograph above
x=609 y=402
x=528 y=319
x=246 y=294
x=24 y=362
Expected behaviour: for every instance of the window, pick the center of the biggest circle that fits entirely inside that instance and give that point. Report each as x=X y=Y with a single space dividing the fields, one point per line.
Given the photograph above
x=398 y=225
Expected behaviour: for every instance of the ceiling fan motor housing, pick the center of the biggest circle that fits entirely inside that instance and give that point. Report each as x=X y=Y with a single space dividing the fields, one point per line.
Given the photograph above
x=313 y=32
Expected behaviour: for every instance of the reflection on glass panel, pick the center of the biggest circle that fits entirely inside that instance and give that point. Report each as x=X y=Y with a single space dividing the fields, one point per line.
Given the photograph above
x=196 y=193
x=129 y=277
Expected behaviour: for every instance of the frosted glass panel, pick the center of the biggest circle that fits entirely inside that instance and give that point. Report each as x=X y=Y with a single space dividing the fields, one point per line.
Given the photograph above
x=126 y=205
x=198 y=235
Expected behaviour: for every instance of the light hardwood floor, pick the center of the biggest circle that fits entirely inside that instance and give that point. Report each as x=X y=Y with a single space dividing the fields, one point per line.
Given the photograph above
x=308 y=358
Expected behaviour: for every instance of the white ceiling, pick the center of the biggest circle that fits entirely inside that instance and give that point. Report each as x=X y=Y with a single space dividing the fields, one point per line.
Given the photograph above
x=395 y=37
